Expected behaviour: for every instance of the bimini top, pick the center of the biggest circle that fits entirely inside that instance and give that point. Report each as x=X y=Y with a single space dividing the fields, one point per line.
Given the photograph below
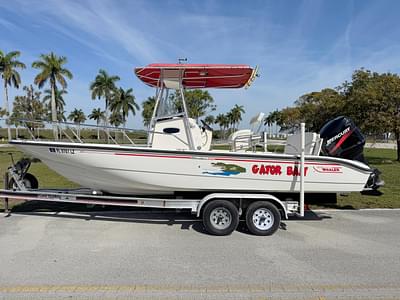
x=198 y=75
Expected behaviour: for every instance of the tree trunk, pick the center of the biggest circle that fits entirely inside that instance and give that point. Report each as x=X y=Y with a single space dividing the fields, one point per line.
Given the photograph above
x=54 y=108
x=106 y=121
x=124 y=132
x=397 y=134
x=98 y=130
x=53 y=102
x=7 y=107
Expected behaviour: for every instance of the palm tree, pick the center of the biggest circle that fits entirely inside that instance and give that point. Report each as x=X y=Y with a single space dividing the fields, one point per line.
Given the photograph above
x=123 y=101
x=219 y=120
x=8 y=66
x=147 y=110
x=230 y=121
x=235 y=115
x=116 y=119
x=52 y=69
x=209 y=120
x=223 y=121
x=97 y=115
x=77 y=116
x=104 y=86
x=60 y=103
x=271 y=119
x=60 y=113
x=276 y=117
x=226 y=122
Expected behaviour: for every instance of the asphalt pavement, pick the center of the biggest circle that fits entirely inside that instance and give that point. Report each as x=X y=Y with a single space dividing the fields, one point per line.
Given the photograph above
x=167 y=255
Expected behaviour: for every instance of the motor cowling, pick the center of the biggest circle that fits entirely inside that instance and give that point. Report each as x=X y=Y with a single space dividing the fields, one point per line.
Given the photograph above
x=342 y=138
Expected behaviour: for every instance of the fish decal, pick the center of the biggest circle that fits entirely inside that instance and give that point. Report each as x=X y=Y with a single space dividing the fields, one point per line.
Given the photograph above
x=225 y=169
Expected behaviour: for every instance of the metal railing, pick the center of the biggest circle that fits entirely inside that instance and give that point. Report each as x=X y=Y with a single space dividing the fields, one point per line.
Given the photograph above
x=75 y=133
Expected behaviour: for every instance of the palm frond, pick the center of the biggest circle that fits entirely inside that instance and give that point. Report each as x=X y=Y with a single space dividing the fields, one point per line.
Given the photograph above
x=66 y=73
x=16 y=79
x=39 y=65
x=12 y=54
x=41 y=79
x=61 y=80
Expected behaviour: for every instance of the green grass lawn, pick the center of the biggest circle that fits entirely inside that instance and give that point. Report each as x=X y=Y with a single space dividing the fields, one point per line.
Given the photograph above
x=383 y=159
x=46 y=177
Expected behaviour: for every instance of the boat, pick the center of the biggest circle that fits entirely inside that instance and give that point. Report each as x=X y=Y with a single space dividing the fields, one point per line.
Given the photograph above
x=178 y=158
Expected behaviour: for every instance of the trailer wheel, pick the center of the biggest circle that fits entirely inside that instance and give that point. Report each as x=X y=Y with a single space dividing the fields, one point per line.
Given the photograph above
x=30 y=182
x=220 y=217
x=262 y=218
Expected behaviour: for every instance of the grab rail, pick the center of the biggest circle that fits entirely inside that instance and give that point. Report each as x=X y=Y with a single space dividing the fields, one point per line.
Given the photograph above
x=75 y=133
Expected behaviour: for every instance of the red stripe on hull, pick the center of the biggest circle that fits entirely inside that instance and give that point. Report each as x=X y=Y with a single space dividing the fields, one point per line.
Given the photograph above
x=154 y=155
x=224 y=159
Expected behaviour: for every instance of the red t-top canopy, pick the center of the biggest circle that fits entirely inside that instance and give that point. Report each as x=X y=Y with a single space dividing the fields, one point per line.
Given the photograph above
x=197 y=75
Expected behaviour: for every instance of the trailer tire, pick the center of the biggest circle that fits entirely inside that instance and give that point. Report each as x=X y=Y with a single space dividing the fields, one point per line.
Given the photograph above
x=262 y=218
x=220 y=217
x=30 y=182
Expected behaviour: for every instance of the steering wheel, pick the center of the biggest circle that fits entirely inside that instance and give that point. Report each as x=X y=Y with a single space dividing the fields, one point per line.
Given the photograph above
x=206 y=126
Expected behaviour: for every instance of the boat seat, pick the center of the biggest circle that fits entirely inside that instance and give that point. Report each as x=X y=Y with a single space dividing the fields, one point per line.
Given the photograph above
x=313 y=144
x=247 y=139
x=243 y=140
x=318 y=146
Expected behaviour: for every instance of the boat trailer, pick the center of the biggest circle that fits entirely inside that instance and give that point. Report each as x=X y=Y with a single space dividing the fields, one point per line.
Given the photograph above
x=220 y=211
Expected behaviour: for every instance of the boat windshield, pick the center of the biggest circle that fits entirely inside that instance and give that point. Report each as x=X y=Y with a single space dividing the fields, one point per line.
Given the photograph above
x=170 y=105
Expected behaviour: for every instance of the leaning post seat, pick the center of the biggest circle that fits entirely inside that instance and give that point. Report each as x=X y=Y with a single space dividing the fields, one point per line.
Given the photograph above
x=245 y=139
x=313 y=144
x=240 y=140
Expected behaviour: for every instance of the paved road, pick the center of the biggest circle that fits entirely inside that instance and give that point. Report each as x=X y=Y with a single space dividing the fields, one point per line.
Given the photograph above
x=330 y=255
x=390 y=145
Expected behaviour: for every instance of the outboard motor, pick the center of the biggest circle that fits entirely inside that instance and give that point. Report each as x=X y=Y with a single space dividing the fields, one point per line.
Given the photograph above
x=343 y=139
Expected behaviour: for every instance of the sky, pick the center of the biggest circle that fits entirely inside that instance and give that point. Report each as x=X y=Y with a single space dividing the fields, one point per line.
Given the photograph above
x=300 y=46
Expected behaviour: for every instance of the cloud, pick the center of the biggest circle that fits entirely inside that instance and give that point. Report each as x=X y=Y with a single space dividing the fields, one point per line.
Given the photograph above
x=300 y=47
x=8 y=25
x=100 y=20
x=87 y=43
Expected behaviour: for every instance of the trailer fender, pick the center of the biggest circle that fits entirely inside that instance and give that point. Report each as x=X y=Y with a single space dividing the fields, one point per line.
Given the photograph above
x=229 y=196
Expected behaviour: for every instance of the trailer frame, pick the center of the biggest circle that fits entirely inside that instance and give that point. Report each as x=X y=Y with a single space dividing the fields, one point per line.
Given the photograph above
x=196 y=206
x=91 y=197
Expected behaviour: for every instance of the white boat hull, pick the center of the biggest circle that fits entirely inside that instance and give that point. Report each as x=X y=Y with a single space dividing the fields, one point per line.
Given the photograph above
x=135 y=170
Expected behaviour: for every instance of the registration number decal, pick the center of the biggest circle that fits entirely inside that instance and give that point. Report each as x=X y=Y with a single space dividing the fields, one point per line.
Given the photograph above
x=62 y=150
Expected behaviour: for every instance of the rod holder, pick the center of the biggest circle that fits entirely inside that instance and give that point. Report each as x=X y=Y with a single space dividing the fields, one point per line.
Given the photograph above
x=302 y=145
